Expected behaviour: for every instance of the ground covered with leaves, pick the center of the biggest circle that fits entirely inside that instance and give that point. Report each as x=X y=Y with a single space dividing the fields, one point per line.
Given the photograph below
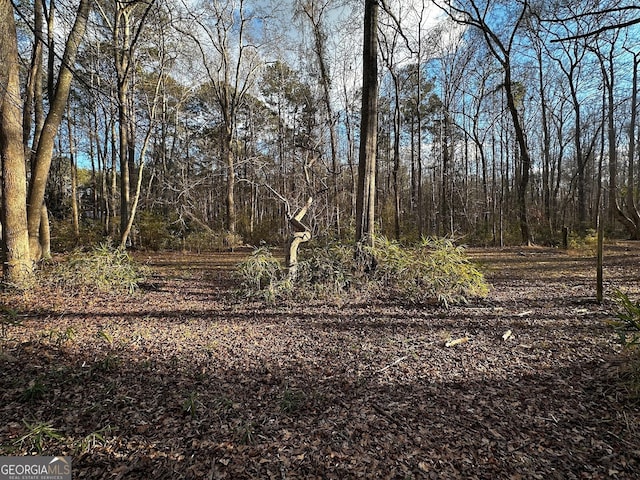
x=184 y=380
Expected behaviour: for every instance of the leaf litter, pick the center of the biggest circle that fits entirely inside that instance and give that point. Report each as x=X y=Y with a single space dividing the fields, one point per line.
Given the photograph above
x=183 y=380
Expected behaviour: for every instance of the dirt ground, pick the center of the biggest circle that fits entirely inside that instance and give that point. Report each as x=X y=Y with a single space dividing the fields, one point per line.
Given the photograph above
x=183 y=380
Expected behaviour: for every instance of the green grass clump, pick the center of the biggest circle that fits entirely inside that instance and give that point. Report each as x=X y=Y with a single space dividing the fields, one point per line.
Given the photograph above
x=292 y=400
x=262 y=276
x=585 y=244
x=102 y=268
x=435 y=270
x=38 y=435
x=627 y=325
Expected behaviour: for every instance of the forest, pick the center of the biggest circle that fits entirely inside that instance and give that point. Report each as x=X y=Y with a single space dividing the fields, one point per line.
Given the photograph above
x=496 y=122
x=321 y=238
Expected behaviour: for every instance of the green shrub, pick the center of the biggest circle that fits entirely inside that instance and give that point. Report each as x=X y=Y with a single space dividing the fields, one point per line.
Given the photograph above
x=155 y=232
x=584 y=244
x=628 y=323
x=261 y=275
x=627 y=327
x=435 y=271
x=102 y=268
x=326 y=271
x=63 y=238
x=211 y=241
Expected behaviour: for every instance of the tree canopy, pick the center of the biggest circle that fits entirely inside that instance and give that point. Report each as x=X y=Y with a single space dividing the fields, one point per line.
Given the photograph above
x=498 y=121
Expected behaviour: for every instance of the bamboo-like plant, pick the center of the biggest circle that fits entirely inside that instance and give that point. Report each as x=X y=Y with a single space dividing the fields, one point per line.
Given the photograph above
x=435 y=271
x=627 y=325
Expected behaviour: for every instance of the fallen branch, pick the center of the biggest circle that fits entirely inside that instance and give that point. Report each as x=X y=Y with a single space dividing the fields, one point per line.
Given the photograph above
x=457 y=341
x=392 y=364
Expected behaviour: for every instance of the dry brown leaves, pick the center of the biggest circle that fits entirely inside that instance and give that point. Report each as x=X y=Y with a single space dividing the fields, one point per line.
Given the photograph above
x=184 y=380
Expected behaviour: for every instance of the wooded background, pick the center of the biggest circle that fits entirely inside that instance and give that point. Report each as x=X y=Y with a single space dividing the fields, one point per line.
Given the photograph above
x=498 y=121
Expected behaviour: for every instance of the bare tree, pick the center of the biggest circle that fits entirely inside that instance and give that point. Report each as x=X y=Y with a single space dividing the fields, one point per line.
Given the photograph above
x=501 y=43
x=389 y=42
x=625 y=208
x=125 y=24
x=225 y=28
x=316 y=12
x=44 y=151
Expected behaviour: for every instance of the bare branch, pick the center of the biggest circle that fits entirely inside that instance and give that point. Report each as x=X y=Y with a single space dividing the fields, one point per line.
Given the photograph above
x=599 y=31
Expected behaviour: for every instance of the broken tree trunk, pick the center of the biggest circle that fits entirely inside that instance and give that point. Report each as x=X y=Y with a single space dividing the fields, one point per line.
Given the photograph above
x=301 y=234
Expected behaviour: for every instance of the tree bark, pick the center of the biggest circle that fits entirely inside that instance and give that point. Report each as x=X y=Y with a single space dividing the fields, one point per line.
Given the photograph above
x=632 y=192
x=301 y=234
x=123 y=51
x=396 y=158
x=44 y=152
x=366 y=193
x=231 y=181
x=525 y=158
x=15 y=239
x=75 y=216
x=45 y=233
x=33 y=93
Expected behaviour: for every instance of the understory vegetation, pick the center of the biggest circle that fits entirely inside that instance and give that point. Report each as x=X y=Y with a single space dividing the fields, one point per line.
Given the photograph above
x=627 y=326
x=433 y=271
x=151 y=232
x=103 y=268
x=628 y=323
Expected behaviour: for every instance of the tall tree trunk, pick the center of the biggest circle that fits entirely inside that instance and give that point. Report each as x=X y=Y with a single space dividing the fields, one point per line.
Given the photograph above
x=122 y=43
x=632 y=190
x=418 y=153
x=33 y=93
x=132 y=214
x=15 y=239
x=45 y=233
x=546 y=142
x=396 y=157
x=75 y=217
x=615 y=210
x=525 y=158
x=124 y=234
x=44 y=152
x=231 y=182
x=365 y=199
x=580 y=158
x=445 y=203
x=51 y=49
x=350 y=153
x=110 y=225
